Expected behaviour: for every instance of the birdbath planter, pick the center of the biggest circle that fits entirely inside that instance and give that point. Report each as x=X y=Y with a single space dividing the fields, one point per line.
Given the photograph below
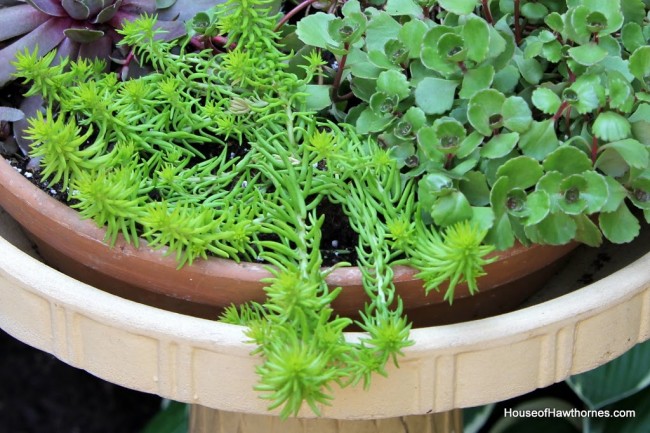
x=208 y=364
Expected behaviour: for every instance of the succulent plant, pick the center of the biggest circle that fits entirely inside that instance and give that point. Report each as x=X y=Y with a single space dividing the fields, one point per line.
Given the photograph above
x=527 y=117
x=82 y=28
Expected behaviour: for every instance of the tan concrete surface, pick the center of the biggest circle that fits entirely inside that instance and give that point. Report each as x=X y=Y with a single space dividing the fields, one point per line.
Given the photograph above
x=208 y=363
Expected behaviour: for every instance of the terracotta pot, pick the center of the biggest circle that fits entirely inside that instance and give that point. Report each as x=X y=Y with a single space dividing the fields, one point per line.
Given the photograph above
x=77 y=248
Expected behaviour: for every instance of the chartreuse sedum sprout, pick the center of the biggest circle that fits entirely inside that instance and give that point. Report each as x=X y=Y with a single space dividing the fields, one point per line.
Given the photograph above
x=59 y=142
x=222 y=155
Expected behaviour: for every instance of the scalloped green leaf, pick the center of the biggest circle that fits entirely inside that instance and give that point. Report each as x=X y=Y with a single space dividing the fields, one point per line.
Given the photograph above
x=616 y=193
x=587 y=232
x=610 y=9
x=411 y=35
x=482 y=218
x=451 y=208
x=531 y=70
x=586 y=94
x=506 y=79
x=632 y=37
x=620 y=226
x=403 y=7
x=435 y=95
x=500 y=145
x=482 y=106
x=552 y=51
x=588 y=55
x=546 y=100
x=572 y=201
x=567 y=160
x=539 y=140
x=501 y=234
x=499 y=195
x=394 y=83
x=555 y=21
x=501 y=48
x=539 y=206
x=312 y=30
x=640 y=63
x=611 y=126
x=551 y=184
x=556 y=229
x=621 y=93
x=369 y=121
x=318 y=97
x=516 y=114
x=428 y=142
x=534 y=11
x=458 y=7
x=611 y=163
x=640 y=193
x=476 y=80
x=522 y=171
x=633 y=153
x=381 y=28
x=469 y=144
x=474 y=186
x=476 y=34
x=633 y=11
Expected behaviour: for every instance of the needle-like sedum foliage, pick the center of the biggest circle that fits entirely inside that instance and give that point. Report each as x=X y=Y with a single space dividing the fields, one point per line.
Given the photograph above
x=219 y=155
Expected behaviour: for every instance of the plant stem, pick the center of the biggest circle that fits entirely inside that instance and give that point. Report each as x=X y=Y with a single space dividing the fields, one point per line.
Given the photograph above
x=449 y=159
x=567 y=119
x=560 y=110
x=198 y=42
x=594 y=149
x=486 y=12
x=293 y=12
x=339 y=73
x=517 y=22
x=124 y=70
x=222 y=40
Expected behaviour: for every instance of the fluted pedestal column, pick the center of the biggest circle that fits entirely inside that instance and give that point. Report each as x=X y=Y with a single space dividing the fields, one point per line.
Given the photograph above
x=206 y=420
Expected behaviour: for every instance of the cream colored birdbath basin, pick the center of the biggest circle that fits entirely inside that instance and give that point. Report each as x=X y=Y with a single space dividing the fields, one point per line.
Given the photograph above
x=208 y=363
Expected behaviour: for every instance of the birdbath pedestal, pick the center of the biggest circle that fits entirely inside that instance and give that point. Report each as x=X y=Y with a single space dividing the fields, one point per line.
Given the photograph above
x=208 y=364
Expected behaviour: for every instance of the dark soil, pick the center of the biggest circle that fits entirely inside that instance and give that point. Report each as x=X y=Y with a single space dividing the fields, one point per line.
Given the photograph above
x=40 y=394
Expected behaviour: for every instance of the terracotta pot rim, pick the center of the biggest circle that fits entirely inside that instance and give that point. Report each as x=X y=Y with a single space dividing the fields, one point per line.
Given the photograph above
x=217 y=281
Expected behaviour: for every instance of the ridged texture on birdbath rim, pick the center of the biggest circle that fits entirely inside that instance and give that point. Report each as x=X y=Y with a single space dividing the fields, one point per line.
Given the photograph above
x=208 y=363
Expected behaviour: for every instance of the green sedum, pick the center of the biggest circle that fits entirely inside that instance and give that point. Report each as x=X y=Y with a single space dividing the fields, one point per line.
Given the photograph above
x=221 y=154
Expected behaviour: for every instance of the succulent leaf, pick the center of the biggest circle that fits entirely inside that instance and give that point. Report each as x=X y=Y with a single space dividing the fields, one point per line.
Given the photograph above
x=49 y=7
x=18 y=20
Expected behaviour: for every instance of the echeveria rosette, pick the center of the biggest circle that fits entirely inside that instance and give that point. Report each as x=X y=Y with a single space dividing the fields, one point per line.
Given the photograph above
x=81 y=28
